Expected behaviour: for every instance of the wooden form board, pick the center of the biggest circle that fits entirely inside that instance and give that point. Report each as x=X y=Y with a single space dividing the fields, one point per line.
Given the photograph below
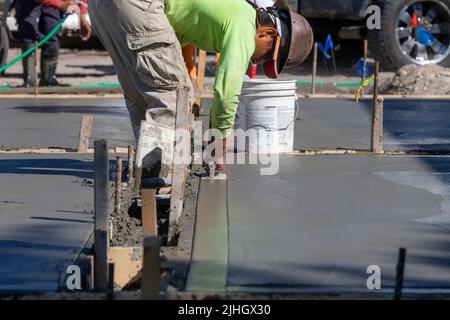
x=101 y=203
x=127 y=264
x=149 y=215
x=85 y=133
x=200 y=77
x=179 y=169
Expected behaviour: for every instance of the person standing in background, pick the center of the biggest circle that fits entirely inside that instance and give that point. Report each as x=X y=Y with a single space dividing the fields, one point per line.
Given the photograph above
x=35 y=19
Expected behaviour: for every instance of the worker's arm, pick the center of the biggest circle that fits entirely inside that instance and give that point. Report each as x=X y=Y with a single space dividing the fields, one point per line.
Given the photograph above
x=85 y=25
x=237 y=48
x=83 y=7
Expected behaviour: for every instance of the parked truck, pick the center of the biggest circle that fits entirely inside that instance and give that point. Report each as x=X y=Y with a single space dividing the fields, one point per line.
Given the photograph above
x=411 y=31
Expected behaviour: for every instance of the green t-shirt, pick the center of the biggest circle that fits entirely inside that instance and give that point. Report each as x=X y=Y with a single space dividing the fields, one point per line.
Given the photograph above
x=225 y=26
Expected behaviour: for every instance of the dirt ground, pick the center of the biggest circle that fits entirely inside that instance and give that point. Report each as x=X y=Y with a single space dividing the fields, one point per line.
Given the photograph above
x=127 y=224
x=95 y=67
x=74 y=67
x=82 y=67
x=414 y=80
x=127 y=230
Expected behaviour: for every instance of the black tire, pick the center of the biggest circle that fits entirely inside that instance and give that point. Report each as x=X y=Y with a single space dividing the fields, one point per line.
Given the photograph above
x=383 y=43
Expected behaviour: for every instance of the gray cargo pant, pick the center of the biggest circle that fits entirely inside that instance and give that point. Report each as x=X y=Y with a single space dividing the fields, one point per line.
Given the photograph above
x=146 y=55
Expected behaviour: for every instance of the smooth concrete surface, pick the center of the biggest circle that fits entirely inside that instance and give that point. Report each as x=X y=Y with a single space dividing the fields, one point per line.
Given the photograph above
x=43 y=123
x=321 y=221
x=208 y=268
x=345 y=124
x=46 y=218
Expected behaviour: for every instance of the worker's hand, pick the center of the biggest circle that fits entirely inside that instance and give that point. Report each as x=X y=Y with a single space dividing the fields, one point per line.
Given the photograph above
x=85 y=27
x=63 y=5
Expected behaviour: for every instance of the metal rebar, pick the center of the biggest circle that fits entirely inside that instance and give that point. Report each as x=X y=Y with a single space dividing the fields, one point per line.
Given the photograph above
x=314 y=71
x=400 y=274
x=118 y=185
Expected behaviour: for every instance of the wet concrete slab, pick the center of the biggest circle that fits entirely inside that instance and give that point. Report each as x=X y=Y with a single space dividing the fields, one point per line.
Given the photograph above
x=46 y=217
x=43 y=123
x=321 y=221
x=345 y=124
x=208 y=268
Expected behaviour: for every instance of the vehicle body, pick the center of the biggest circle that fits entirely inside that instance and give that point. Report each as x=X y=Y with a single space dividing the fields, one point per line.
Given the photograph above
x=412 y=31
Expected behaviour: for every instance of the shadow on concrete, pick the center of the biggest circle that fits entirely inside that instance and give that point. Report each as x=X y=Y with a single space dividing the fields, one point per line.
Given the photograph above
x=344 y=124
x=110 y=111
x=27 y=245
x=53 y=167
x=415 y=124
x=427 y=267
x=107 y=70
x=37 y=261
x=61 y=220
x=421 y=125
x=336 y=249
x=72 y=211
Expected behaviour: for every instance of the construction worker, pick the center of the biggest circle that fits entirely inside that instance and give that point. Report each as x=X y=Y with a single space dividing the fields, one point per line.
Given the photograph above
x=35 y=19
x=143 y=38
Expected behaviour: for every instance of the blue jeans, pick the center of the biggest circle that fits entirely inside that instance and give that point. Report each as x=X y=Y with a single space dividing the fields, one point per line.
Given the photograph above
x=35 y=21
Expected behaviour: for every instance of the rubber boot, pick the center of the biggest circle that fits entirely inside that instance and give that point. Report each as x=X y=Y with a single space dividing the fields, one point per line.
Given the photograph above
x=48 y=72
x=28 y=71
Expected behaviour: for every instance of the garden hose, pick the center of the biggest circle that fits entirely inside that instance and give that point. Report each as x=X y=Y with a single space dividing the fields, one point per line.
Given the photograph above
x=32 y=49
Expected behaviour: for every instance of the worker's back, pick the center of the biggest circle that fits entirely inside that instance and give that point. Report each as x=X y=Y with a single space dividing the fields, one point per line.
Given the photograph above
x=204 y=23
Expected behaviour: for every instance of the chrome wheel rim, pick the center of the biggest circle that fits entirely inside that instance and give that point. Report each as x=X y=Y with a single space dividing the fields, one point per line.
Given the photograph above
x=423 y=32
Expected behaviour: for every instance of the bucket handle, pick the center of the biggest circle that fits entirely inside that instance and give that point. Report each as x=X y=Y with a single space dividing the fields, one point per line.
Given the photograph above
x=260 y=124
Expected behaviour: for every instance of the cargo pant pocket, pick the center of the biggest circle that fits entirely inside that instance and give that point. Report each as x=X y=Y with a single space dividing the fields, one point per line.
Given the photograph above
x=157 y=60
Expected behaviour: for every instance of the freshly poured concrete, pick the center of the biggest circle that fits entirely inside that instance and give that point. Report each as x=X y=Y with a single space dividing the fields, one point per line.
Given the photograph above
x=208 y=269
x=345 y=124
x=45 y=218
x=42 y=123
x=323 y=220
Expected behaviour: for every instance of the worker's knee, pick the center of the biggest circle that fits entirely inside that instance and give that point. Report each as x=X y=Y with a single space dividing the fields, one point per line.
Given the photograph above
x=161 y=116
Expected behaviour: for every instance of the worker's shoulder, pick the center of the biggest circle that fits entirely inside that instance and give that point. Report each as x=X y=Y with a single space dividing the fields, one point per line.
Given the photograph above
x=240 y=8
x=240 y=13
x=225 y=8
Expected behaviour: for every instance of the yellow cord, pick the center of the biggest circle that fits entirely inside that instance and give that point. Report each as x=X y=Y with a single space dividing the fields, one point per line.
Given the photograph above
x=362 y=86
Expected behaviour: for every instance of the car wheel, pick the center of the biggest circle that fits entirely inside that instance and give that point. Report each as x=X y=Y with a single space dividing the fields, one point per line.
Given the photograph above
x=412 y=31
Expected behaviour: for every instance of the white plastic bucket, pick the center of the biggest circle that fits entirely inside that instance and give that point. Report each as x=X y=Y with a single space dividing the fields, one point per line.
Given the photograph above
x=266 y=112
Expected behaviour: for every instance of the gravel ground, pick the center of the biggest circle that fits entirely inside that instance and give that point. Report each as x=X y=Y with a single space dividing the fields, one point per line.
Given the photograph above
x=74 y=67
x=415 y=80
x=127 y=224
x=95 y=67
